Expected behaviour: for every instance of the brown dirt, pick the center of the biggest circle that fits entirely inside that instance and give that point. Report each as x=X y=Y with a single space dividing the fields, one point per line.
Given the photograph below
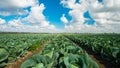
x=97 y=61
x=18 y=63
x=97 y=58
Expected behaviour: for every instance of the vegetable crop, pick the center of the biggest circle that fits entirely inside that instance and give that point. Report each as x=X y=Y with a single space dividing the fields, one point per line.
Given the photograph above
x=60 y=53
x=14 y=46
x=105 y=45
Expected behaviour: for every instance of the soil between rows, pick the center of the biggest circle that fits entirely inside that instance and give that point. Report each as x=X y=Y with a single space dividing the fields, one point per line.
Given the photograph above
x=97 y=58
x=18 y=62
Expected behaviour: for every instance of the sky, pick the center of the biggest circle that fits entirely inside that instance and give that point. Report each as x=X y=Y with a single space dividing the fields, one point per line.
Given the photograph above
x=81 y=16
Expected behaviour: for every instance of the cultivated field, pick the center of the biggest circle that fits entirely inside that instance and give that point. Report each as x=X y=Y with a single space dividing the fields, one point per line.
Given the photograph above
x=30 y=50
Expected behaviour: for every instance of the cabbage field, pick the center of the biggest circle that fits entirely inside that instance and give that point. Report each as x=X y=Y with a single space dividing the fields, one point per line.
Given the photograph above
x=105 y=45
x=62 y=50
x=14 y=46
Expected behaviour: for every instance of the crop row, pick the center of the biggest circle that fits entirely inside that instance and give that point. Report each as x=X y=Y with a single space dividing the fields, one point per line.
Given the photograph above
x=105 y=45
x=14 y=46
x=60 y=53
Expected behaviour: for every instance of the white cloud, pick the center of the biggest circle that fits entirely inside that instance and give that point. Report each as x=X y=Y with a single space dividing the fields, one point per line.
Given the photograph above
x=2 y=24
x=16 y=3
x=36 y=17
x=34 y=22
x=15 y=7
x=112 y=5
x=13 y=12
x=15 y=23
x=108 y=10
x=64 y=19
x=2 y=21
x=76 y=12
x=106 y=15
x=18 y=26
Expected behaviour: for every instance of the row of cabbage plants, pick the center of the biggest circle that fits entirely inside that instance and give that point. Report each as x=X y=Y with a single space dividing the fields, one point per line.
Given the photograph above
x=60 y=53
x=105 y=45
x=14 y=46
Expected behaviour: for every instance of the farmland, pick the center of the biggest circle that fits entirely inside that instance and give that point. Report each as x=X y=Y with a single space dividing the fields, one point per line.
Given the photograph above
x=60 y=50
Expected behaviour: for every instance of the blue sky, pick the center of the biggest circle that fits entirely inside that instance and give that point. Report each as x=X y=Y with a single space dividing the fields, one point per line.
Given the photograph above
x=59 y=16
x=53 y=11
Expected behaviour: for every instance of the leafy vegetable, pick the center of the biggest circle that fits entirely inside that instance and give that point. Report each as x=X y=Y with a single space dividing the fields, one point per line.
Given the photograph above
x=58 y=54
x=3 y=54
